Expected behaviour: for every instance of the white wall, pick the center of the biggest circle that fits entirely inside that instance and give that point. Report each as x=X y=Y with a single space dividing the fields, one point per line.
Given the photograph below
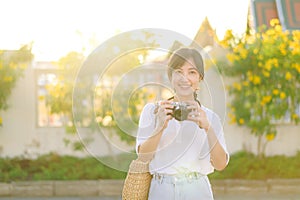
x=20 y=133
x=20 y=136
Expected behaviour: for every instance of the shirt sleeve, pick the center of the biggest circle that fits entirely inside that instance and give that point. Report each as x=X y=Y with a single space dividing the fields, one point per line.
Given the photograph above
x=146 y=124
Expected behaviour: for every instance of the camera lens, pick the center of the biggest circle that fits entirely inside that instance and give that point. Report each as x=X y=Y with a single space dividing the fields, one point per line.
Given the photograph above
x=180 y=111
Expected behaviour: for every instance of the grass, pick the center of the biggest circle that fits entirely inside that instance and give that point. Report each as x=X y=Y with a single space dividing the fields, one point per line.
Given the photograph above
x=242 y=165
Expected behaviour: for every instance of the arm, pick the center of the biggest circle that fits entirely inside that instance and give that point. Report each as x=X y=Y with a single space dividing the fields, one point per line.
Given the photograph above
x=218 y=155
x=147 y=149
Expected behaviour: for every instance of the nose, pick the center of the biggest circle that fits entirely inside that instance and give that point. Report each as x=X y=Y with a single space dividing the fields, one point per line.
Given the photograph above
x=184 y=77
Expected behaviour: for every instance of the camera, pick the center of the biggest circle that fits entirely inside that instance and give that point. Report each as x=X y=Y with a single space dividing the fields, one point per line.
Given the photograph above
x=180 y=111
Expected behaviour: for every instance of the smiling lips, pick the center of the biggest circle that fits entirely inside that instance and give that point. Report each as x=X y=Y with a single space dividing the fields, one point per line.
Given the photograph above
x=185 y=86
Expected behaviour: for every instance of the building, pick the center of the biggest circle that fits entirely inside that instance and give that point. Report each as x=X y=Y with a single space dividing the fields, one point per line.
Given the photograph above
x=29 y=129
x=287 y=11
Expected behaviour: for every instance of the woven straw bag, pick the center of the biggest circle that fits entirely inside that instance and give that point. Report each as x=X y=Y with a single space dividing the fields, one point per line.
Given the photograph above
x=137 y=181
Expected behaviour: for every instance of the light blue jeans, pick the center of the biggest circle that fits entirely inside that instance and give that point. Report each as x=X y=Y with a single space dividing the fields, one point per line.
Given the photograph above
x=192 y=186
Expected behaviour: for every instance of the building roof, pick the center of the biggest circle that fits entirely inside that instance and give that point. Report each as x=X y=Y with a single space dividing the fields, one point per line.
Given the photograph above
x=287 y=11
x=206 y=35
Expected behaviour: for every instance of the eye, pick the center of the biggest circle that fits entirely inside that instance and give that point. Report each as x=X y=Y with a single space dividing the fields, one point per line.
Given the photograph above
x=193 y=72
x=177 y=71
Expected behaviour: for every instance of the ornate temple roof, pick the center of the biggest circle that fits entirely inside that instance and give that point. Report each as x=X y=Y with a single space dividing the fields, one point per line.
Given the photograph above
x=287 y=11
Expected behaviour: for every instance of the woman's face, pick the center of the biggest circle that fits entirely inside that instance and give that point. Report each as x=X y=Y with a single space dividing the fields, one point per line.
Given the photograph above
x=185 y=79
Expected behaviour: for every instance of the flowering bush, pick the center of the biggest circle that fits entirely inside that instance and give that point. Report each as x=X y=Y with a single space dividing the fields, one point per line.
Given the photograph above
x=266 y=70
x=12 y=66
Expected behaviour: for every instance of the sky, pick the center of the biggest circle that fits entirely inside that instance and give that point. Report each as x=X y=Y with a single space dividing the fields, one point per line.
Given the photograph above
x=57 y=27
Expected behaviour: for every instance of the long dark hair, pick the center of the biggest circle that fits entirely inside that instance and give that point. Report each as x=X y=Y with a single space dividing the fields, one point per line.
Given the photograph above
x=182 y=55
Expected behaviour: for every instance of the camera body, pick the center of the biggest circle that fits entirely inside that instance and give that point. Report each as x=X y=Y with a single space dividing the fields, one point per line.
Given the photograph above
x=180 y=111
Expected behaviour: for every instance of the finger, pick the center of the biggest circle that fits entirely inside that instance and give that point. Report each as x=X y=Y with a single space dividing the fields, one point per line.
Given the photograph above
x=195 y=113
x=193 y=105
x=169 y=117
x=202 y=112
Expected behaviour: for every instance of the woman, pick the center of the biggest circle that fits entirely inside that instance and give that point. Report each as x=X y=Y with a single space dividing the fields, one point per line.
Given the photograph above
x=182 y=152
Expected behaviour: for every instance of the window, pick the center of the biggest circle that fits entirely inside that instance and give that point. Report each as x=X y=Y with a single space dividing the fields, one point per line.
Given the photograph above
x=44 y=116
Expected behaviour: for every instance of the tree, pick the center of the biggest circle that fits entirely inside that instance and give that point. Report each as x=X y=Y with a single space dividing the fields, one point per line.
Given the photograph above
x=12 y=66
x=60 y=93
x=266 y=72
x=60 y=99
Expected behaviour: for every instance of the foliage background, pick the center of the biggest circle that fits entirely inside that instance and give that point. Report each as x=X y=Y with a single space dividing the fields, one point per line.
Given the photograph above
x=12 y=66
x=265 y=70
x=242 y=165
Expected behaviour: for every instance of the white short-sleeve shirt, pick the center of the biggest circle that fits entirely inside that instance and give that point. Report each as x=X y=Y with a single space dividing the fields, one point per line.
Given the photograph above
x=183 y=146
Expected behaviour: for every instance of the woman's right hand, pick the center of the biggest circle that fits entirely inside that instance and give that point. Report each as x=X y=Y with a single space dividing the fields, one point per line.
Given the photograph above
x=163 y=113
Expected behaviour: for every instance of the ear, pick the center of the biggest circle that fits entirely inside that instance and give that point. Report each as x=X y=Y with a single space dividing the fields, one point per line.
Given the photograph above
x=200 y=77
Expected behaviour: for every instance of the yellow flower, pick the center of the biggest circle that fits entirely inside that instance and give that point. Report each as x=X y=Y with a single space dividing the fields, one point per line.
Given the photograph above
x=271 y=63
x=243 y=53
x=296 y=66
x=237 y=86
x=268 y=65
x=228 y=35
x=295 y=116
x=41 y=97
x=249 y=39
x=275 y=62
x=245 y=83
x=288 y=76
x=275 y=91
x=282 y=49
x=250 y=77
x=232 y=108
x=7 y=79
x=282 y=95
x=151 y=96
x=241 y=121
x=296 y=36
x=256 y=80
x=274 y=22
x=1 y=120
x=255 y=51
x=260 y=57
x=265 y=99
x=270 y=32
x=270 y=136
x=278 y=28
x=230 y=57
x=266 y=74
x=23 y=66
x=232 y=118
x=13 y=65
x=295 y=51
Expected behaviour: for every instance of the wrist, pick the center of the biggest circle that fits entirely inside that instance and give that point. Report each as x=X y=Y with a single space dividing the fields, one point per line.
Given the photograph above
x=207 y=128
x=158 y=130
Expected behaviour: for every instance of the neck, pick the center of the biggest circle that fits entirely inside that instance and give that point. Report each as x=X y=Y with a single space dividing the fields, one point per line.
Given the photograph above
x=184 y=98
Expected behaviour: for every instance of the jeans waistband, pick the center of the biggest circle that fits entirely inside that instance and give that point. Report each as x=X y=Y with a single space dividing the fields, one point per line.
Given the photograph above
x=177 y=178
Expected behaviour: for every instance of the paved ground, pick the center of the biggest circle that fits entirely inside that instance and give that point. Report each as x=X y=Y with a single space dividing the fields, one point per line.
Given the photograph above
x=224 y=197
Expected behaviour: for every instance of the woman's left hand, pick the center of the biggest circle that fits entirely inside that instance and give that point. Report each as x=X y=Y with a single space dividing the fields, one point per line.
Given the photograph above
x=197 y=115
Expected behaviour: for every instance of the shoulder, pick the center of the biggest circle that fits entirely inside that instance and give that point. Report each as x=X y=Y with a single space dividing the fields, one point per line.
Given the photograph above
x=149 y=107
x=210 y=113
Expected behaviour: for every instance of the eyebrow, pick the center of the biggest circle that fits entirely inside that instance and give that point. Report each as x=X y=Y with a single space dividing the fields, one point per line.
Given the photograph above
x=192 y=68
